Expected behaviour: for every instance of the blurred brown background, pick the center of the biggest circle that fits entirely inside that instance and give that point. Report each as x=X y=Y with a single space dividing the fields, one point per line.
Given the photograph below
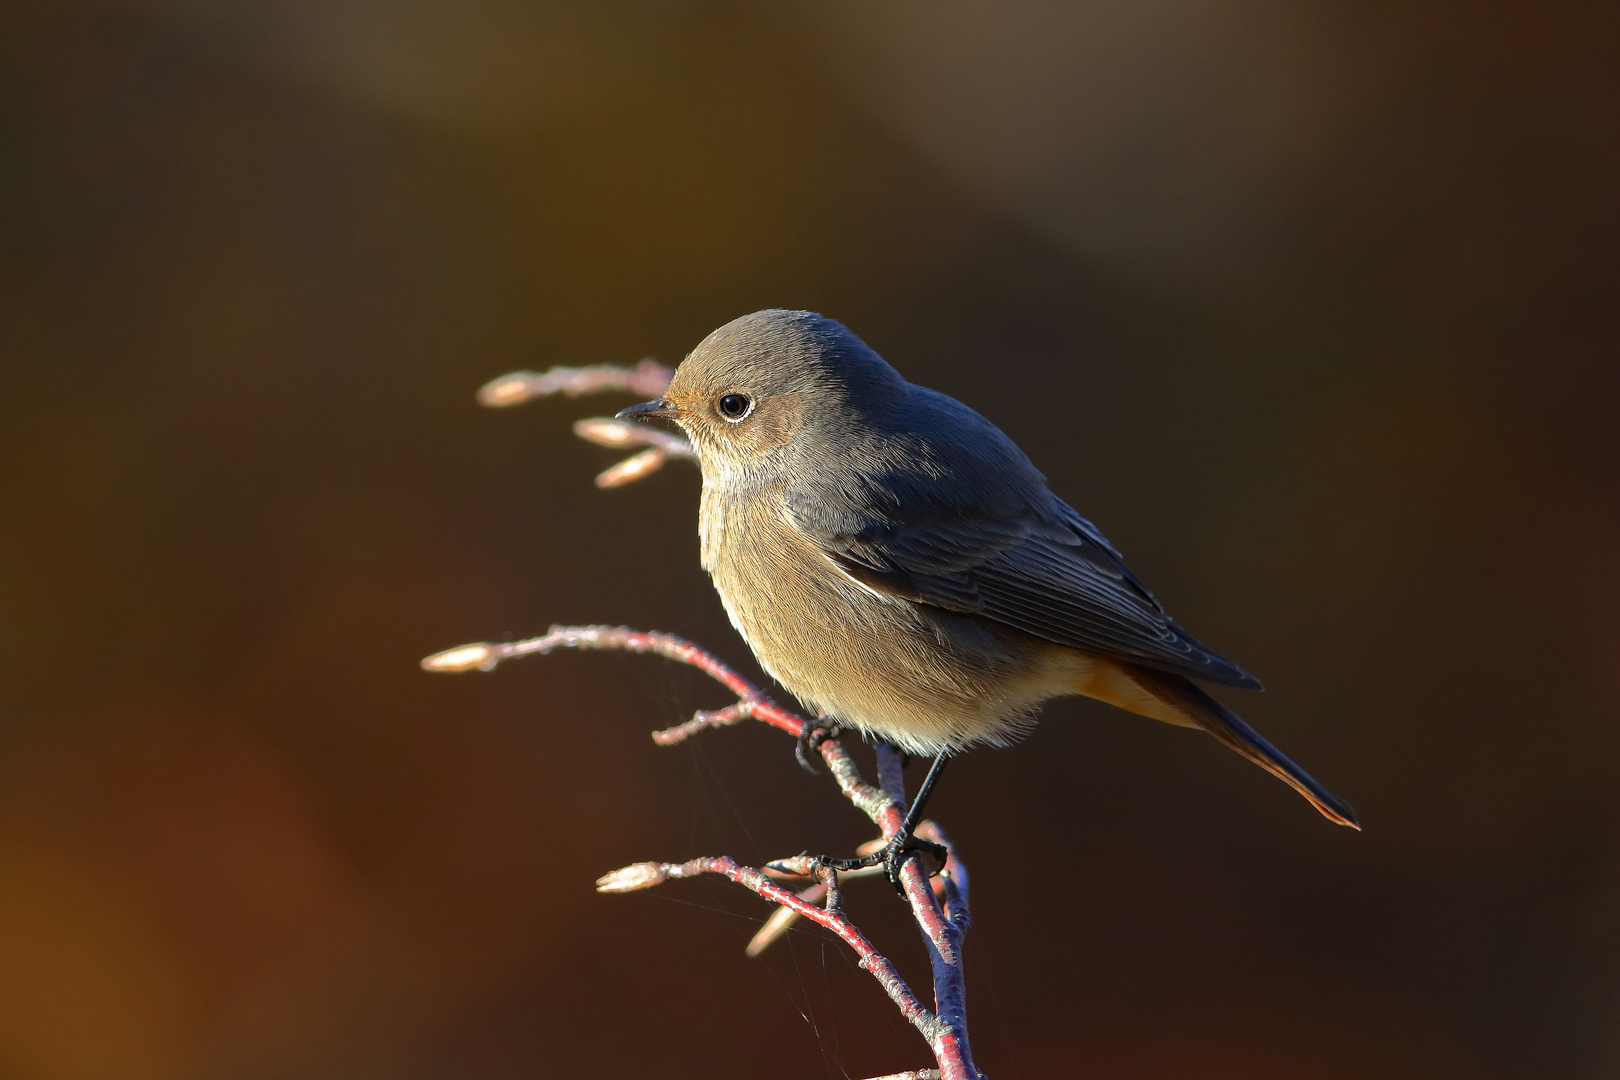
x=1312 y=307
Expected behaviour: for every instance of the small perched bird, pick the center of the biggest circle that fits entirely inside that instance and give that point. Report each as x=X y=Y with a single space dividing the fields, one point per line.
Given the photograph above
x=899 y=565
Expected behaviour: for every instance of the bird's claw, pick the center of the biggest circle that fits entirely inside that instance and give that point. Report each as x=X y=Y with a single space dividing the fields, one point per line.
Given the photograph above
x=809 y=739
x=894 y=855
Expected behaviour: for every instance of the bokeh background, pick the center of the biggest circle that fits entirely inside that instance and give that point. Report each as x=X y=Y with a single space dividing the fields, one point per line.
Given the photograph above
x=1313 y=307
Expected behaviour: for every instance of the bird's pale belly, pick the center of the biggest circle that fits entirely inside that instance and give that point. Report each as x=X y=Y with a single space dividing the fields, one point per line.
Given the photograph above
x=952 y=681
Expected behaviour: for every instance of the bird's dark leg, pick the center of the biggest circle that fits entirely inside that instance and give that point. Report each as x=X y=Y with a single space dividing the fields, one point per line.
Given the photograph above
x=810 y=738
x=920 y=802
x=905 y=841
x=893 y=854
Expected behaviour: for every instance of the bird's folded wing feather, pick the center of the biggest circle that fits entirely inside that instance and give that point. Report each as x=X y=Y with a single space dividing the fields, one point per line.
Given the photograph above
x=1045 y=570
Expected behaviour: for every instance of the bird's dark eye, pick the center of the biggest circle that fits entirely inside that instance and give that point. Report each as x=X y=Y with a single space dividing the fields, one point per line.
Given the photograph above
x=735 y=406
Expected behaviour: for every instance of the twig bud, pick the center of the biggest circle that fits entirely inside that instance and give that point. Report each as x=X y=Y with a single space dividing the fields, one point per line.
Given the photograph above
x=512 y=389
x=632 y=468
x=605 y=431
x=792 y=866
x=481 y=656
x=641 y=875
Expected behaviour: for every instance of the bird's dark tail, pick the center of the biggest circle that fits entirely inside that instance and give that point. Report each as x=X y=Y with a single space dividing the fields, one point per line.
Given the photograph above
x=1205 y=712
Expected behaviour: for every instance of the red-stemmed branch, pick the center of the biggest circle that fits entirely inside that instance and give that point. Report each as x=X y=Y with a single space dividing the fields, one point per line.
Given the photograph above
x=939 y=905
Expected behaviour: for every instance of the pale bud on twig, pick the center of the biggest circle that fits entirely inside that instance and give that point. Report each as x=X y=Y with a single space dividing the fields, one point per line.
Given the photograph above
x=632 y=468
x=511 y=389
x=641 y=875
x=604 y=431
x=792 y=866
x=480 y=656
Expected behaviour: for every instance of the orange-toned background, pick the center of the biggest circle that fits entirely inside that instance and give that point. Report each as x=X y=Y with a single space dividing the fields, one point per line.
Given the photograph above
x=1314 y=308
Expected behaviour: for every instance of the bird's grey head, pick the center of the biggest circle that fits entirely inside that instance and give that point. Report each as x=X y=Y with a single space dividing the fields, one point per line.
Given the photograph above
x=761 y=381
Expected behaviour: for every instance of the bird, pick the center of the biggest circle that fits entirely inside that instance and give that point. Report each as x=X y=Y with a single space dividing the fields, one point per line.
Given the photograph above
x=901 y=567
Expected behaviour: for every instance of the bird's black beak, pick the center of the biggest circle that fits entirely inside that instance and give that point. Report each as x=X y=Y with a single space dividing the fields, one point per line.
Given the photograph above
x=657 y=409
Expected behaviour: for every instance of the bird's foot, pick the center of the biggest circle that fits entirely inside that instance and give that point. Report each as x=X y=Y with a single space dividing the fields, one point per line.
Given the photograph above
x=891 y=856
x=810 y=738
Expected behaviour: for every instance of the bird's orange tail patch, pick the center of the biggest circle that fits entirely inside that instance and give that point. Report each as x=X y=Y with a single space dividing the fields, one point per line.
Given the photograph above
x=1128 y=687
x=1176 y=700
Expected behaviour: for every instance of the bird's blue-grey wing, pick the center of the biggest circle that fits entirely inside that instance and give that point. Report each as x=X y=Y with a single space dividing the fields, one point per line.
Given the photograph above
x=1034 y=564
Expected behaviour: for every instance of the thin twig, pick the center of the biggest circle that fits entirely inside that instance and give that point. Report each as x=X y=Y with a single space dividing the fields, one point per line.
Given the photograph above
x=647 y=379
x=619 y=434
x=486 y=655
x=702 y=720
